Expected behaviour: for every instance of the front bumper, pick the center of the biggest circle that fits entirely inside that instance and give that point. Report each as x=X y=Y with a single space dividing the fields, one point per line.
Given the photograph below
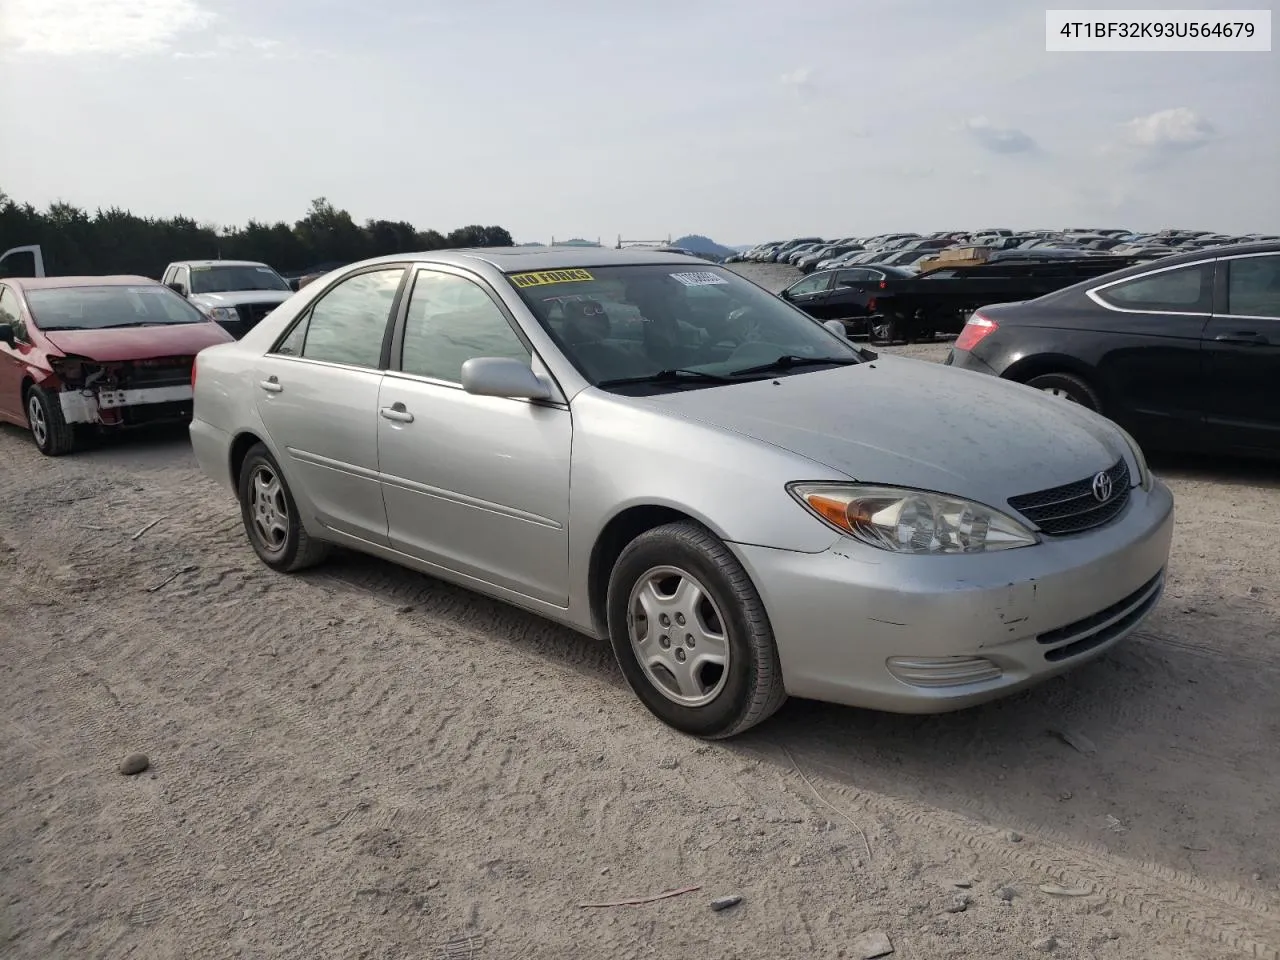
x=839 y=616
x=134 y=406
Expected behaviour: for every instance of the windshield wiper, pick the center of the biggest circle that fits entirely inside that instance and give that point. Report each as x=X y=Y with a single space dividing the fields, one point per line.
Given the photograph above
x=789 y=360
x=668 y=376
x=140 y=323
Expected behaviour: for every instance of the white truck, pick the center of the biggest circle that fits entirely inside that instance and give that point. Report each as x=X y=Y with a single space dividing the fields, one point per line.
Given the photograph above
x=235 y=293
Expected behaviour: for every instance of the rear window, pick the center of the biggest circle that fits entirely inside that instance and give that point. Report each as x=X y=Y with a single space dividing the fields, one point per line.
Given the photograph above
x=233 y=279
x=106 y=307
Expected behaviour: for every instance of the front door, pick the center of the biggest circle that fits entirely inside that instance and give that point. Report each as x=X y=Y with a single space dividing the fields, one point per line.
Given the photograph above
x=808 y=294
x=477 y=485
x=317 y=393
x=13 y=364
x=1242 y=355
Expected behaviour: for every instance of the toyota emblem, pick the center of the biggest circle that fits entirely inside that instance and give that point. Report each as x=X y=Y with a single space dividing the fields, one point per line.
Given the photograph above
x=1102 y=487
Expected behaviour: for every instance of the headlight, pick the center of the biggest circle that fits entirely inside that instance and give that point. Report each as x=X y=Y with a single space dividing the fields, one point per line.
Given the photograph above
x=1144 y=472
x=223 y=314
x=911 y=521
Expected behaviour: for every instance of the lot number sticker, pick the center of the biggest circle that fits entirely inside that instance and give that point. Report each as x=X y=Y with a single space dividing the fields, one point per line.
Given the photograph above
x=542 y=278
x=698 y=279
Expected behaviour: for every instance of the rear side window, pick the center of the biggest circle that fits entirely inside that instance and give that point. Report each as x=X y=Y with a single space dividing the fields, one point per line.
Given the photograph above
x=348 y=322
x=1186 y=289
x=1253 y=287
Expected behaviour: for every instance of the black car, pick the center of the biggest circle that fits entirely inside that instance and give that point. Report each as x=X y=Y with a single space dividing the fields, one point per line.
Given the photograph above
x=1184 y=353
x=837 y=294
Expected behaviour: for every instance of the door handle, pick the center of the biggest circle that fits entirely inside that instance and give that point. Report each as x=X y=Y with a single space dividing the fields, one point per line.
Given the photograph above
x=396 y=412
x=1244 y=337
x=271 y=384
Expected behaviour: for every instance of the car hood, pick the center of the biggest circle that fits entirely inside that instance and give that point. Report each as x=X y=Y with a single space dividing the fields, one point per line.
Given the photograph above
x=241 y=297
x=914 y=424
x=139 y=343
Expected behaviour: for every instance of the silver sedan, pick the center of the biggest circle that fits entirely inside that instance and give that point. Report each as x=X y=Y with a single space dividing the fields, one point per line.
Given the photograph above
x=660 y=453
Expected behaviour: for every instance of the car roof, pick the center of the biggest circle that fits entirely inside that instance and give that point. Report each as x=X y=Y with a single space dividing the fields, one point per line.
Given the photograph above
x=54 y=283
x=217 y=263
x=1198 y=255
x=522 y=259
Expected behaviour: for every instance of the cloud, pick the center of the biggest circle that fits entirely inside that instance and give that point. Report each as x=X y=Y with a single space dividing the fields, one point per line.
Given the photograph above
x=1168 y=131
x=800 y=79
x=999 y=139
x=79 y=27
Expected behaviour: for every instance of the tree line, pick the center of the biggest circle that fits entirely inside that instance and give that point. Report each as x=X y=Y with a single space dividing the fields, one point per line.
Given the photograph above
x=112 y=241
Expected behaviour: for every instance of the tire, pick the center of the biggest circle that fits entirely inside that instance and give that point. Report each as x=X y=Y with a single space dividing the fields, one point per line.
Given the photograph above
x=53 y=436
x=717 y=701
x=270 y=516
x=1069 y=387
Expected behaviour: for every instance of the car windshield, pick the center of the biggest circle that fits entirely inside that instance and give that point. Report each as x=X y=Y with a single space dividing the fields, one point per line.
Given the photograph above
x=102 y=307
x=638 y=322
x=236 y=277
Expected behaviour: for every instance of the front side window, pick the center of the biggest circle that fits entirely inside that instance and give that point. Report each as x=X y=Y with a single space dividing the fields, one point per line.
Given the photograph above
x=627 y=322
x=11 y=313
x=810 y=285
x=109 y=306
x=1182 y=290
x=1253 y=286
x=234 y=278
x=348 y=322
x=451 y=320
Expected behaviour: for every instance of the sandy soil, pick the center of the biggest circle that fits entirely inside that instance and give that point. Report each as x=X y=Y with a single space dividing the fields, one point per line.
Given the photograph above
x=364 y=762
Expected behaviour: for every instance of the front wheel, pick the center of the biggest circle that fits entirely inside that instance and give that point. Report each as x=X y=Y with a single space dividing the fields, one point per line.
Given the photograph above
x=691 y=633
x=52 y=434
x=270 y=516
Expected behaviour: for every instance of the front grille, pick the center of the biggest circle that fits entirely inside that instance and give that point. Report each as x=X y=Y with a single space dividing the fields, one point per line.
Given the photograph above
x=164 y=372
x=1099 y=628
x=251 y=314
x=1073 y=507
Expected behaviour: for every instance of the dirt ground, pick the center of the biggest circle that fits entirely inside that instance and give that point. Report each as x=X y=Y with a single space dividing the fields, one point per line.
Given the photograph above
x=363 y=762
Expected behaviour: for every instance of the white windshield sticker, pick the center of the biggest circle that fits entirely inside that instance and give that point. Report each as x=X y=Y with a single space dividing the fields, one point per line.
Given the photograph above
x=264 y=270
x=698 y=279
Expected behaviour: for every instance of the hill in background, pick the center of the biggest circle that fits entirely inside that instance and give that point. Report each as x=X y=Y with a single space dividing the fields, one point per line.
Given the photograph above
x=696 y=243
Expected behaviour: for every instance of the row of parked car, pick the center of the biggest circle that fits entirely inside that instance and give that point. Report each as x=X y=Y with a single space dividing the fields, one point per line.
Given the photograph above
x=908 y=250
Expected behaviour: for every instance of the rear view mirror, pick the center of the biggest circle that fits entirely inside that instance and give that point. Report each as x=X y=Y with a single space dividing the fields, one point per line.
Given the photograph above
x=502 y=377
x=838 y=328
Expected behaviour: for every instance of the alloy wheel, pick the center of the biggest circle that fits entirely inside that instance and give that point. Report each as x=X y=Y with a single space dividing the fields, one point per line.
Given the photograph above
x=268 y=508
x=39 y=425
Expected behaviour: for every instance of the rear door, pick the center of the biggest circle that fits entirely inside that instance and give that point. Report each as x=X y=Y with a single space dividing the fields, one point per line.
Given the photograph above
x=317 y=393
x=1147 y=346
x=1242 y=355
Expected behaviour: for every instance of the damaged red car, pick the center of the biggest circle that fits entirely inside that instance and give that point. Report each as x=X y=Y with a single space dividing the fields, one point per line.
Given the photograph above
x=83 y=354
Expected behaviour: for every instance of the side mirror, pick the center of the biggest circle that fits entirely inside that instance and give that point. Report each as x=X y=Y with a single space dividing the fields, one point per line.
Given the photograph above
x=295 y=284
x=502 y=377
x=6 y=333
x=785 y=294
x=838 y=328
x=177 y=288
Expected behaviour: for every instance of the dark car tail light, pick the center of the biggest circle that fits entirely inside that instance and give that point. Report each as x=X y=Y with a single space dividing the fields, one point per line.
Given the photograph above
x=977 y=329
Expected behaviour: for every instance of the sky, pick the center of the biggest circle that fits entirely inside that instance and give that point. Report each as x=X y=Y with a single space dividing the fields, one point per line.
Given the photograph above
x=743 y=120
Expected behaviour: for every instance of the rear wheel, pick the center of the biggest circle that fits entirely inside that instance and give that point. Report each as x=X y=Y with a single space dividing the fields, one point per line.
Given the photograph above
x=270 y=516
x=1069 y=387
x=691 y=634
x=52 y=434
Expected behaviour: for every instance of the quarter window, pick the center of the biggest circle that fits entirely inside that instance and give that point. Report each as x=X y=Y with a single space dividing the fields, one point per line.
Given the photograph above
x=1183 y=290
x=348 y=322
x=1253 y=287
x=451 y=320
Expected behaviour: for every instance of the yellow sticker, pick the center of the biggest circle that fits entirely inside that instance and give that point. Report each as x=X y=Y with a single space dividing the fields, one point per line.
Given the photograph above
x=541 y=278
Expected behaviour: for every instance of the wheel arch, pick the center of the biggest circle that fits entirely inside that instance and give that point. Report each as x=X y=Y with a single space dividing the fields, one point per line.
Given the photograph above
x=240 y=447
x=1036 y=365
x=621 y=529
